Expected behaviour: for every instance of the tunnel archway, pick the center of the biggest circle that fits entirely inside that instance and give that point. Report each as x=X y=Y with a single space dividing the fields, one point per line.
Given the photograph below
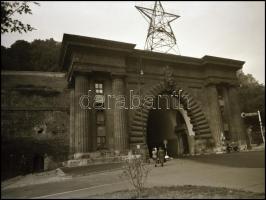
x=168 y=125
x=196 y=122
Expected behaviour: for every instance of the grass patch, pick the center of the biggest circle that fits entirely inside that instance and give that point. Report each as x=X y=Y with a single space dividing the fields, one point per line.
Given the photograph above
x=184 y=192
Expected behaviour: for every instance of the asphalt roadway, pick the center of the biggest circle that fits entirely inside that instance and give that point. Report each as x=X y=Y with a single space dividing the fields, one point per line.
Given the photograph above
x=245 y=171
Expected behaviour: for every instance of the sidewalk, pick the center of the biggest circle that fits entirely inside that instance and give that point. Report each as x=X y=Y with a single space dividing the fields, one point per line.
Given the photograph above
x=33 y=179
x=57 y=175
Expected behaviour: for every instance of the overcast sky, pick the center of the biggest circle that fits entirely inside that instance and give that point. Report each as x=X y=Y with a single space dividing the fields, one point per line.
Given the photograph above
x=233 y=30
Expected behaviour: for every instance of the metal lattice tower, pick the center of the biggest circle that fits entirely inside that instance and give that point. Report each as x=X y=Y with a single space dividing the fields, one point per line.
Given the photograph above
x=160 y=35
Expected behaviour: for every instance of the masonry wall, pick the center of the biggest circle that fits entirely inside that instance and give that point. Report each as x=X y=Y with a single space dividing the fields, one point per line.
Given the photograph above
x=34 y=121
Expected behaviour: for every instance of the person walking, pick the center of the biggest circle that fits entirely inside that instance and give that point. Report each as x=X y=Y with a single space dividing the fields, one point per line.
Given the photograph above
x=155 y=156
x=161 y=155
x=249 y=133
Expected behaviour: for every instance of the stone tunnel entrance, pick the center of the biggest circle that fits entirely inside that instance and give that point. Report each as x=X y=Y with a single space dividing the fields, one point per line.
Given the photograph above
x=172 y=125
x=168 y=125
x=181 y=122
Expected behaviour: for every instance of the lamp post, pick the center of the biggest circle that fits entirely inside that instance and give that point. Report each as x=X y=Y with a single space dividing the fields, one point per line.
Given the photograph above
x=140 y=85
x=141 y=73
x=142 y=125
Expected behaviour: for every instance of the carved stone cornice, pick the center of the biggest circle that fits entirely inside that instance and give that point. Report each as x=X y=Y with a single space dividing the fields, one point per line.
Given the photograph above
x=118 y=76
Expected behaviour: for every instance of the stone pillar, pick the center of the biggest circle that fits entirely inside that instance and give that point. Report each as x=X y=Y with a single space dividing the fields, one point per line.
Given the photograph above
x=215 y=119
x=227 y=112
x=235 y=121
x=72 y=124
x=120 y=123
x=82 y=132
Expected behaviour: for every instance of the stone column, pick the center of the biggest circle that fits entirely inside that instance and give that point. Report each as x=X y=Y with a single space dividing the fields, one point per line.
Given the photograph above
x=227 y=112
x=235 y=120
x=120 y=123
x=82 y=134
x=72 y=123
x=215 y=119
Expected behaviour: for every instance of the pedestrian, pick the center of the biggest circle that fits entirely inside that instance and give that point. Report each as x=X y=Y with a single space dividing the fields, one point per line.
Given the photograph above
x=161 y=155
x=223 y=142
x=249 y=132
x=155 y=156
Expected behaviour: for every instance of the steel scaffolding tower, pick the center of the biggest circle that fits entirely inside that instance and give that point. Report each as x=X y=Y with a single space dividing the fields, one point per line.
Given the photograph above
x=160 y=35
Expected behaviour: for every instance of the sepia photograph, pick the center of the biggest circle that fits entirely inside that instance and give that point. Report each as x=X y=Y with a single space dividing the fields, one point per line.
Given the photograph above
x=132 y=100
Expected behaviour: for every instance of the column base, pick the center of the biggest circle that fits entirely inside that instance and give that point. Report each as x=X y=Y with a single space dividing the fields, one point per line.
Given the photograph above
x=81 y=155
x=94 y=158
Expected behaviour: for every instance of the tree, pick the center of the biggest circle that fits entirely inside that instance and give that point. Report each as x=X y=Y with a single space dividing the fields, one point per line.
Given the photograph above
x=45 y=55
x=20 y=54
x=8 y=11
x=39 y=55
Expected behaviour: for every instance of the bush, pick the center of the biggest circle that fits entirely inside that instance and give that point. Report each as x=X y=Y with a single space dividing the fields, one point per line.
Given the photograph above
x=136 y=170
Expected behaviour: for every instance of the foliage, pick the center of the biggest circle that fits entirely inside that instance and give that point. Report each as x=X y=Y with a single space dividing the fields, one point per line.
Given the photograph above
x=252 y=97
x=39 y=55
x=45 y=54
x=136 y=170
x=17 y=56
x=8 y=10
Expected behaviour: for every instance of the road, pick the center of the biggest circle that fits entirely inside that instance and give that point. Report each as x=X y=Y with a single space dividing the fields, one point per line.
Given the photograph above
x=244 y=170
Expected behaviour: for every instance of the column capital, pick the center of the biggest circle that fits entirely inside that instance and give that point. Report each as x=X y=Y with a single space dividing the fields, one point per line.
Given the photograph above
x=226 y=83
x=118 y=76
x=78 y=73
x=233 y=86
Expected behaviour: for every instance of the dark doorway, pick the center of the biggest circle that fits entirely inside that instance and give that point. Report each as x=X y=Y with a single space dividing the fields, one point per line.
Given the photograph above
x=167 y=125
x=38 y=163
x=161 y=126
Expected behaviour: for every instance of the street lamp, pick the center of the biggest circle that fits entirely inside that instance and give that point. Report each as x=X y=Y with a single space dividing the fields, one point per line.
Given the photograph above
x=141 y=80
x=141 y=73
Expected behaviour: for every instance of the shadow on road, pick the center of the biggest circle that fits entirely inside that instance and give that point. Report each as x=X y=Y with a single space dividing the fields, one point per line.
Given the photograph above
x=253 y=159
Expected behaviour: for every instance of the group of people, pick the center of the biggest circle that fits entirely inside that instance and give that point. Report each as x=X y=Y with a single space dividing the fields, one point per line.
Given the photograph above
x=158 y=156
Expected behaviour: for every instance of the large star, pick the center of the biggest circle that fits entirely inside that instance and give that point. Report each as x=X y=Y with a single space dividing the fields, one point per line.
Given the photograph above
x=160 y=35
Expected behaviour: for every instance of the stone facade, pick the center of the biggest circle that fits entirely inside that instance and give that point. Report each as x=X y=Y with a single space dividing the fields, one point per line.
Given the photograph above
x=119 y=64
x=90 y=66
